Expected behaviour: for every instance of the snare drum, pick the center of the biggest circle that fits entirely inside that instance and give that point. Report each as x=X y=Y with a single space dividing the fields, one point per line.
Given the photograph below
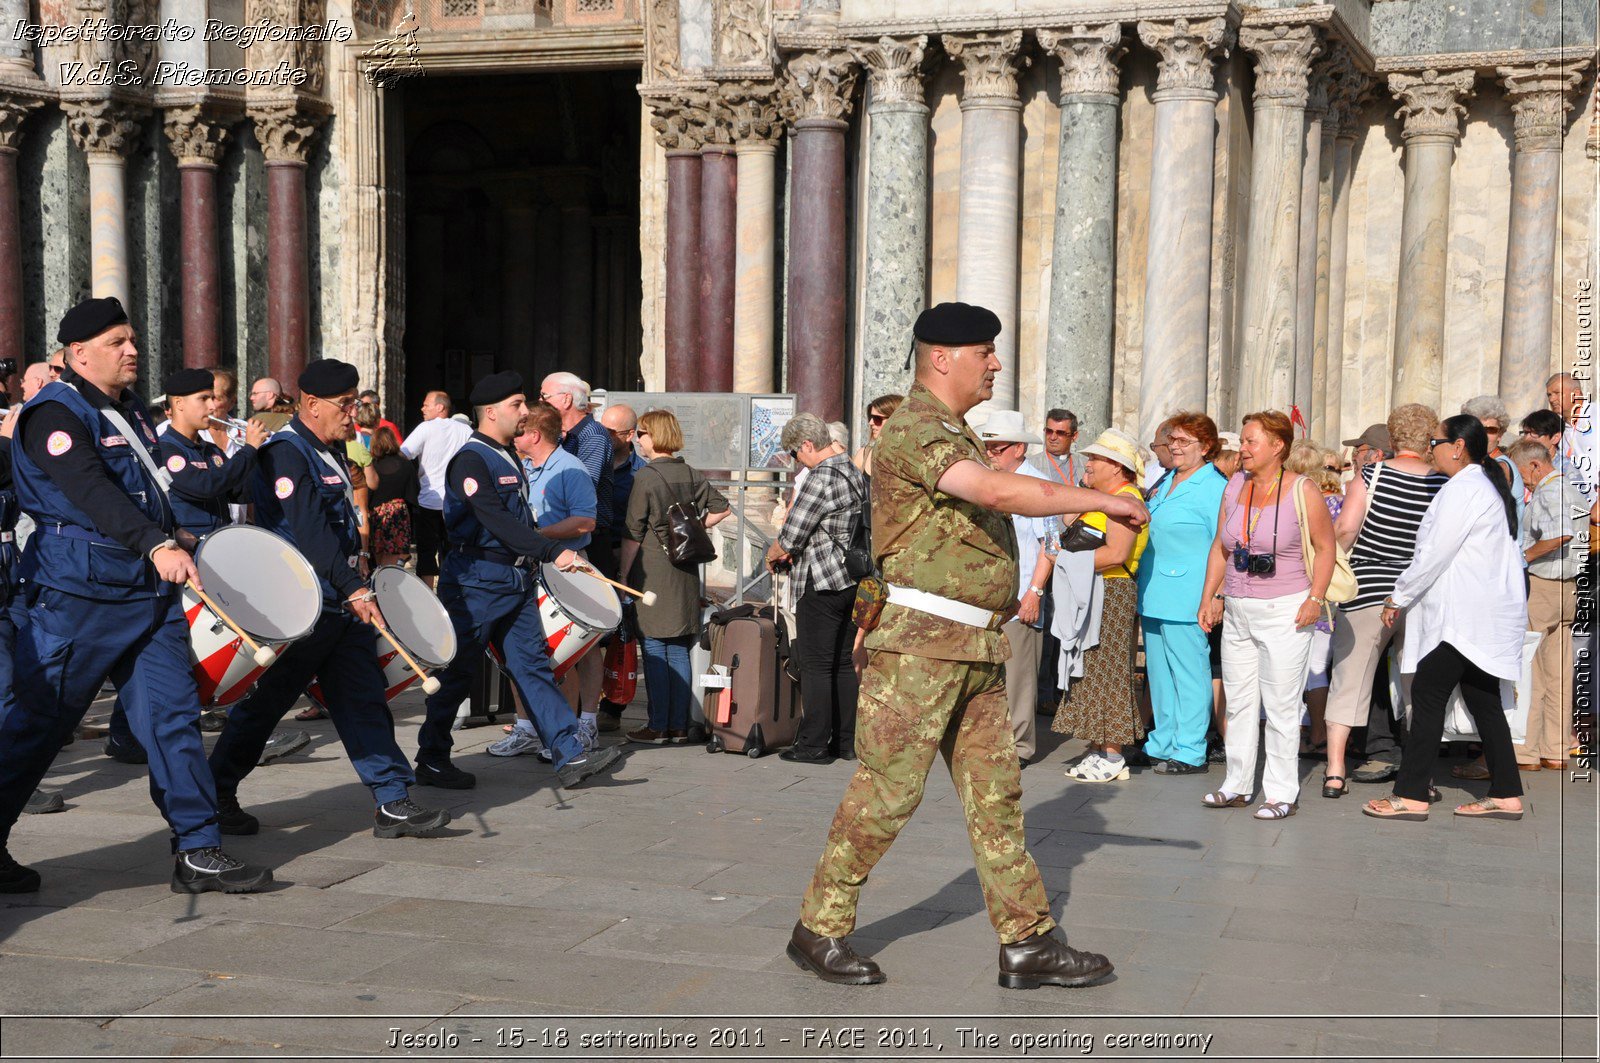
x=417 y=620
x=268 y=589
x=577 y=611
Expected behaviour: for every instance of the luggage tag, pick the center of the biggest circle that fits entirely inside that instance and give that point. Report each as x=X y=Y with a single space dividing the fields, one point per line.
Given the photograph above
x=725 y=706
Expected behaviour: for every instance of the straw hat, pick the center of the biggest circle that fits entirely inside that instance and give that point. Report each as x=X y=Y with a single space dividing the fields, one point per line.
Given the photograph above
x=1118 y=446
x=1006 y=426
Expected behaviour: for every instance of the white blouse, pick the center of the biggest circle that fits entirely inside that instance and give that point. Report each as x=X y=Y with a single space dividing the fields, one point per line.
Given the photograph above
x=1465 y=585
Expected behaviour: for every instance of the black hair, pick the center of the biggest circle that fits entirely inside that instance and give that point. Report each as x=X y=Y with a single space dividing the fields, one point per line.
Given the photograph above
x=1465 y=428
x=1544 y=423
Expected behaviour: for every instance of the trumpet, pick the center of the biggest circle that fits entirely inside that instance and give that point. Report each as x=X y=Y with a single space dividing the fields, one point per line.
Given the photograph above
x=232 y=425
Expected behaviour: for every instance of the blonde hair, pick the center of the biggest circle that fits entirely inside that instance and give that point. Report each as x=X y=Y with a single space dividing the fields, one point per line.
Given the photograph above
x=1306 y=458
x=666 y=434
x=1411 y=426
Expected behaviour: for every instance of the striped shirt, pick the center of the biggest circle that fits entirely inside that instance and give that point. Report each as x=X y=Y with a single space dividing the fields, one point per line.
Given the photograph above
x=1388 y=538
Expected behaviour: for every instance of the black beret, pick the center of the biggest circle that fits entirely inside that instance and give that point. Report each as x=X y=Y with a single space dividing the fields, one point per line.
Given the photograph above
x=188 y=382
x=90 y=318
x=328 y=377
x=957 y=325
x=496 y=387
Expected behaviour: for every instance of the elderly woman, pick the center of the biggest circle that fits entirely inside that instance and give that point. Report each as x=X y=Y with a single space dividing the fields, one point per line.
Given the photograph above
x=1383 y=508
x=1267 y=595
x=1490 y=410
x=1183 y=525
x=1466 y=555
x=879 y=410
x=1321 y=466
x=1102 y=706
x=669 y=626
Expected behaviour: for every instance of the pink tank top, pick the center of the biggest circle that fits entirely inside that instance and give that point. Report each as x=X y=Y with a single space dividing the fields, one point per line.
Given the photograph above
x=1257 y=525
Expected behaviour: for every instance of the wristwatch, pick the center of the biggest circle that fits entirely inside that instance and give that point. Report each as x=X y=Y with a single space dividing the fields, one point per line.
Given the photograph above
x=1037 y=590
x=1219 y=596
x=1319 y=601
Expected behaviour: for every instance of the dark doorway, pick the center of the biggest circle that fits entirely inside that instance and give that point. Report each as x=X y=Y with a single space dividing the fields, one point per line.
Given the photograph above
x=522 y=230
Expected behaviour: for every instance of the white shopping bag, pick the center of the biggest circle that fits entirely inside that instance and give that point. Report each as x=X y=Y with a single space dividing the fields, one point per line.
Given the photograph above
x=1458 y=725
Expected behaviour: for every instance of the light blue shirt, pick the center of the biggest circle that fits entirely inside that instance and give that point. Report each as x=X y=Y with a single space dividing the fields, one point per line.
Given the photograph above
x=1183 y=528
x=1033 y=535
x=558 y=489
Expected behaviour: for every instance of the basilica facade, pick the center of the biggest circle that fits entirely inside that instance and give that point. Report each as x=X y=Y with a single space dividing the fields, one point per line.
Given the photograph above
x=1189 y=204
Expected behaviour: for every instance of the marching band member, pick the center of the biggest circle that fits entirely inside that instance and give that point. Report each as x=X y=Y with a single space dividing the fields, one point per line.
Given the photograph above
x=101 y=582
x=302 y=492
x=487 y=584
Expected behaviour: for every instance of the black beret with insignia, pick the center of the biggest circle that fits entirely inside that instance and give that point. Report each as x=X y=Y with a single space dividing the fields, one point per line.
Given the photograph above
x=496 y=387
x=957 y=325
x=188 y=382
x=328 y=378
x=90 y=318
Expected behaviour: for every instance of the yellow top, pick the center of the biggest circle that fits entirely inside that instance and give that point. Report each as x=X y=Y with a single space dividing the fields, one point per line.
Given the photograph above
x=1098 y=522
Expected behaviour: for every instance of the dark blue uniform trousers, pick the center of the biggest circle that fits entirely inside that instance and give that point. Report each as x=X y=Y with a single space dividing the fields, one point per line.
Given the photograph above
x=490 y=602
x=340 y=653
x=67 y=647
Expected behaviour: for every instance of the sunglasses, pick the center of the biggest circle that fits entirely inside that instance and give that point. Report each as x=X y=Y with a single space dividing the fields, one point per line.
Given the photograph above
x=1440 y=442
x=876 y=418
x=1058 y=432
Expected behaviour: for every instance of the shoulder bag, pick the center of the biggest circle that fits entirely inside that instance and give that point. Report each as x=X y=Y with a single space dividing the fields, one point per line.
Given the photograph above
x=858 y=560
x=686 y=541
x=1342 y=586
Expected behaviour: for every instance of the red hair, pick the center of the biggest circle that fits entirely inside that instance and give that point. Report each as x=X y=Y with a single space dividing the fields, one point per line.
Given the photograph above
x=1274 y=423
x=1203 y=428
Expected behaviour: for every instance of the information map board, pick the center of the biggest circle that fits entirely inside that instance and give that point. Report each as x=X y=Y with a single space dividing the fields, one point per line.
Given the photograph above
x=724 y=432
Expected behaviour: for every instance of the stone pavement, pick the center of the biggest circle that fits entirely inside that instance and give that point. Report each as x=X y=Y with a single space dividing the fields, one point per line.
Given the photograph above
x=663 y=897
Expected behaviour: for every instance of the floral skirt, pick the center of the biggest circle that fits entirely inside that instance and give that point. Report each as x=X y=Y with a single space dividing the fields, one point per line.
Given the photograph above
x=391 y=528
x=1103 y=706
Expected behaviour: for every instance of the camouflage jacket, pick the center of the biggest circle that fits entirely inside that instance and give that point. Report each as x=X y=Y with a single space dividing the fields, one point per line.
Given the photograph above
x=934 y=542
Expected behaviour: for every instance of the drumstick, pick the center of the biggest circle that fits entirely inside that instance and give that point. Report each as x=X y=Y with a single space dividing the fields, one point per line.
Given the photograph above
x=430 y=684
x=265 y=655
x=647 y=597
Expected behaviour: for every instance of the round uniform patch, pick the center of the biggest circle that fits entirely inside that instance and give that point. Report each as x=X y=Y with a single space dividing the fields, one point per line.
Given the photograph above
x=470 y=486
x=175 y=464
x=283 y=487
x=58 y=444
x=216 y=459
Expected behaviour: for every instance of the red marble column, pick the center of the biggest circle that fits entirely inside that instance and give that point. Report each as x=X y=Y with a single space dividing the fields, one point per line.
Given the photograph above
x=11 y=345
x=288 y=296
x=719 y=182
x=683 y=271
x=198 y=188
x=817 y=249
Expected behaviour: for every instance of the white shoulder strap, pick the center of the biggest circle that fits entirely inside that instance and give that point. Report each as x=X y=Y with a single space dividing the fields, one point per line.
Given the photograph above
x=162 y=477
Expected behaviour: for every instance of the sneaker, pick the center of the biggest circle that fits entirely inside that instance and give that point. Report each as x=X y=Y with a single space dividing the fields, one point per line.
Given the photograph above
x=403 y=818
x=281 y=744
x=518 y=743
x=445 y=776
x=41 y=803
x=607 y=723
x=231 y=819
x=213 y=721
x=1097 y=768
x=575 y=771
x=1179 y=767
x=648 y=736
x=589 y=735
x=14 y=878
x=678 y=737
x=125 y=750
x=205 y=870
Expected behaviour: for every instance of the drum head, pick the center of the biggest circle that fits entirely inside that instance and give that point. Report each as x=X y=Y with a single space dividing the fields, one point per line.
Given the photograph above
x=261 y=581
x=583 y=598
x=415 y=615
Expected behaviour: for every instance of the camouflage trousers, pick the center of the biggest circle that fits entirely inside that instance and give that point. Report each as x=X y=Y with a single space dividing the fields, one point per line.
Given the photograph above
x=910 y=708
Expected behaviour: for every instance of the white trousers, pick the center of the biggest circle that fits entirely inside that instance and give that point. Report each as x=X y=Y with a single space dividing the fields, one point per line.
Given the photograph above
x=1264 y=659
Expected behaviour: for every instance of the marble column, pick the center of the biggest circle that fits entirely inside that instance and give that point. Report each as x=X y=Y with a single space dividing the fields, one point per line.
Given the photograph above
x=197 y=140
x=1078 y=348
x=756 y=130
x=816 y=97
x=1307 y=375
x=719 y=203
x=1540 y=99
x=13 y=109
x=1177 y=293
x=1267 y=358
x=678 y=122
x=1324 y=377
x=989 y=231
x=896 y=222
x=1347 y=100
x=1432 y=109
x=16 y=52
x=285 y=131
x=106 y=132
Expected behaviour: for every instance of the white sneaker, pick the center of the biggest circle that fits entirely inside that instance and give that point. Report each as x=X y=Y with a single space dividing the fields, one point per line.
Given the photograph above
x=1096 y=768
x=518 y=743
x=589 y=734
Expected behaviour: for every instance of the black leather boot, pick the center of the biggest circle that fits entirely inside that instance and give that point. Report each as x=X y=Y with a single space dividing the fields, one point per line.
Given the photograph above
x=1045 y=959
x=831 y=959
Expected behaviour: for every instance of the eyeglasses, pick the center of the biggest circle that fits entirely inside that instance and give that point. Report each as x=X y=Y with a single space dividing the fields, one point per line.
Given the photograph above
x=1160 y=446
x=876 y=418
x=999 y=448
x=1059 y=432
x=1179 y=443
x=1440 y=442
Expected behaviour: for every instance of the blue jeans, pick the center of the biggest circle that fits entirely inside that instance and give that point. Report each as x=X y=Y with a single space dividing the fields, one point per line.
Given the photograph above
x=667 y=681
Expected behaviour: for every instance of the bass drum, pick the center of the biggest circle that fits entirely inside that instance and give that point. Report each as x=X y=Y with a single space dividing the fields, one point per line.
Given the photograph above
x=417 y=620
x=266 y=586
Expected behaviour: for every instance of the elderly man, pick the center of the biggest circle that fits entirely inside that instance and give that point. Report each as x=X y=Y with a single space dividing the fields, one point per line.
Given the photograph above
x=1371 y=445
x=35 y=377
x=622 y=423
x=1005 y=443
x=1564 y=392
x=431 y=445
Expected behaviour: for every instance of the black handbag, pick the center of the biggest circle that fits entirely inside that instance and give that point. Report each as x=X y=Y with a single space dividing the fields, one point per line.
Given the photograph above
x=1080 y=537
x=687 y=541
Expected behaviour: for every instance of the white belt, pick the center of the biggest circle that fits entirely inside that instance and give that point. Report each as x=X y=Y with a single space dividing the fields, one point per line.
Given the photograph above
x=948 y=608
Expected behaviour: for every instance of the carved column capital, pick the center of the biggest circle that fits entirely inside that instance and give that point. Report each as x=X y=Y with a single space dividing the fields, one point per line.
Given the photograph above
x=1591 y=144
x=753 y=111
x=680 y=119
x=1187 y=50
x=104 y=126
x=1283 y=62
x=1430 y=103
x=196 y=135
x=894 y=68
x=1540 y=98
x=1349 y=92
x=988 y=65
x=817 y=85
x=13 y=109
x=1088 y=57
x=285 y=129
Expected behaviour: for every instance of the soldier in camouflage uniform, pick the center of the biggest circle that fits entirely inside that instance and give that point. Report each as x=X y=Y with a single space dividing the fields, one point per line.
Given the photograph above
x=935 y=679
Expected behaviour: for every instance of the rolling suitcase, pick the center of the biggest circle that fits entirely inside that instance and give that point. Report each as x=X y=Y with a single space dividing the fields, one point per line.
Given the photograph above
x=751 y=702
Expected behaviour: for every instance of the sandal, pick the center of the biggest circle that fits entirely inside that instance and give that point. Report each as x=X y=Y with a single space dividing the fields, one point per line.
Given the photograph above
x=1223 y=799
x=1488 y=808
x=311 y=712
x=1277 y=810
x=1476 y=772
x=1392 y=807
x=1329 y=790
